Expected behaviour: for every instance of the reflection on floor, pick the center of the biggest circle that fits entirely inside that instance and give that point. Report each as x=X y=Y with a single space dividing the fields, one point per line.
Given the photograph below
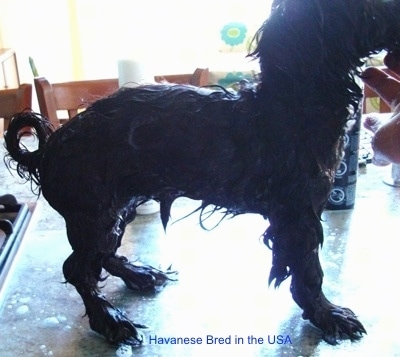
x=222 y=290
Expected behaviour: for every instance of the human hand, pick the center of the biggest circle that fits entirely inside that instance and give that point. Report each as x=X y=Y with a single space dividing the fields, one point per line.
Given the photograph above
x=386 y=139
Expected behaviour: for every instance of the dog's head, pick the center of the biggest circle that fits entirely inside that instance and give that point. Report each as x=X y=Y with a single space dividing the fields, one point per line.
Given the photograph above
x=316 y=45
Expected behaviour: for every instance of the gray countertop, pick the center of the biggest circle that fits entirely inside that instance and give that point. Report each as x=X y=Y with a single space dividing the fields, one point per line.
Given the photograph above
x=222 y=289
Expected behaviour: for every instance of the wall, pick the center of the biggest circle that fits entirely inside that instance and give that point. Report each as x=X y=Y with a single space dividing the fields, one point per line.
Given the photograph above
x=76 y=39
x=39 y=29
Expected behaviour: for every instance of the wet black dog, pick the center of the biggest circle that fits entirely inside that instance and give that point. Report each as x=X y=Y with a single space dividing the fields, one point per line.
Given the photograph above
x=271 y=151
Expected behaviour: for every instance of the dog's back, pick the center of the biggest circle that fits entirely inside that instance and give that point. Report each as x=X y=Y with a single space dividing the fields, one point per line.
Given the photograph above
x=157 y=141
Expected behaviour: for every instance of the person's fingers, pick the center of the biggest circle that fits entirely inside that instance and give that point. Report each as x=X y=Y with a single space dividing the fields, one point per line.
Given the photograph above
x=387 y=87
x=380 y=162
x=385 y=143
x=374 y=121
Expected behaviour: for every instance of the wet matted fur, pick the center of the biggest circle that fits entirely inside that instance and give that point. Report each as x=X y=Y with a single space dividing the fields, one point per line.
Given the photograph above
x=271 y=151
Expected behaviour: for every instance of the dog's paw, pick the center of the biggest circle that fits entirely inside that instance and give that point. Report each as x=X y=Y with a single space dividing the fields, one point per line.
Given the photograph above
x=145 y=277
x=114 y=325
x=137 y=276
x=337 y=323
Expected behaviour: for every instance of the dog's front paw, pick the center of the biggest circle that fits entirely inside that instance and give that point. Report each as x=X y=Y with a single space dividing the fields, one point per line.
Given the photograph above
x=337 y=323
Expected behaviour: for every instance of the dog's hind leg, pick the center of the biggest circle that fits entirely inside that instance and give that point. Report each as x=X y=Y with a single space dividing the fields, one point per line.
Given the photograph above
x=94 y=239
x=135 y=276
x=295 y=253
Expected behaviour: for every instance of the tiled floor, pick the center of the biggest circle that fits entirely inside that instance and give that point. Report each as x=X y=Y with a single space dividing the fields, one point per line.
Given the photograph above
x=222 y=289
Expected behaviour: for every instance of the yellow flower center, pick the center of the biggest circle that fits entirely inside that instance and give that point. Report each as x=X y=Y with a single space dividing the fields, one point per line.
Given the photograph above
x=234 y=32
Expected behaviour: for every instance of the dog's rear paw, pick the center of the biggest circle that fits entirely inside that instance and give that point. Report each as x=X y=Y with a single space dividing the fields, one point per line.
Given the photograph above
x=114 y=325
x=337 y=323
x=147 y=278
x=137 y=276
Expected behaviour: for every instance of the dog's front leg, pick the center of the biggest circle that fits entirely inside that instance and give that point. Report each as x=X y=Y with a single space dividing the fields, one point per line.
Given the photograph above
x=295 y=245
x=336 y=322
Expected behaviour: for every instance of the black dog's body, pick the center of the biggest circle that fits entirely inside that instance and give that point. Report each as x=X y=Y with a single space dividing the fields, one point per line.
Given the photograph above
x=272 y=151
x=161 y=152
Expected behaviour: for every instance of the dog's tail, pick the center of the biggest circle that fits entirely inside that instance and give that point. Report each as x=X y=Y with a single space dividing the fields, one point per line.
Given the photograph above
x=24 y=161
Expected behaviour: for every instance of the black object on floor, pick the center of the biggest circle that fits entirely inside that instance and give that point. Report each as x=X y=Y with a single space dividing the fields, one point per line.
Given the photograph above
x=14 y=218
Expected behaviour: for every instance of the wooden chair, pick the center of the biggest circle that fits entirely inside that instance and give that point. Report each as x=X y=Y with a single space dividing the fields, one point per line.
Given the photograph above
x=74 y=96
x=199 y=78
x=13 y=101
x=70 y=96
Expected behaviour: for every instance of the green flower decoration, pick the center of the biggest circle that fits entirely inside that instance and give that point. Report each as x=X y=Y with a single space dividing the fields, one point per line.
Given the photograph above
x=232 y=79
x=234 y=33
